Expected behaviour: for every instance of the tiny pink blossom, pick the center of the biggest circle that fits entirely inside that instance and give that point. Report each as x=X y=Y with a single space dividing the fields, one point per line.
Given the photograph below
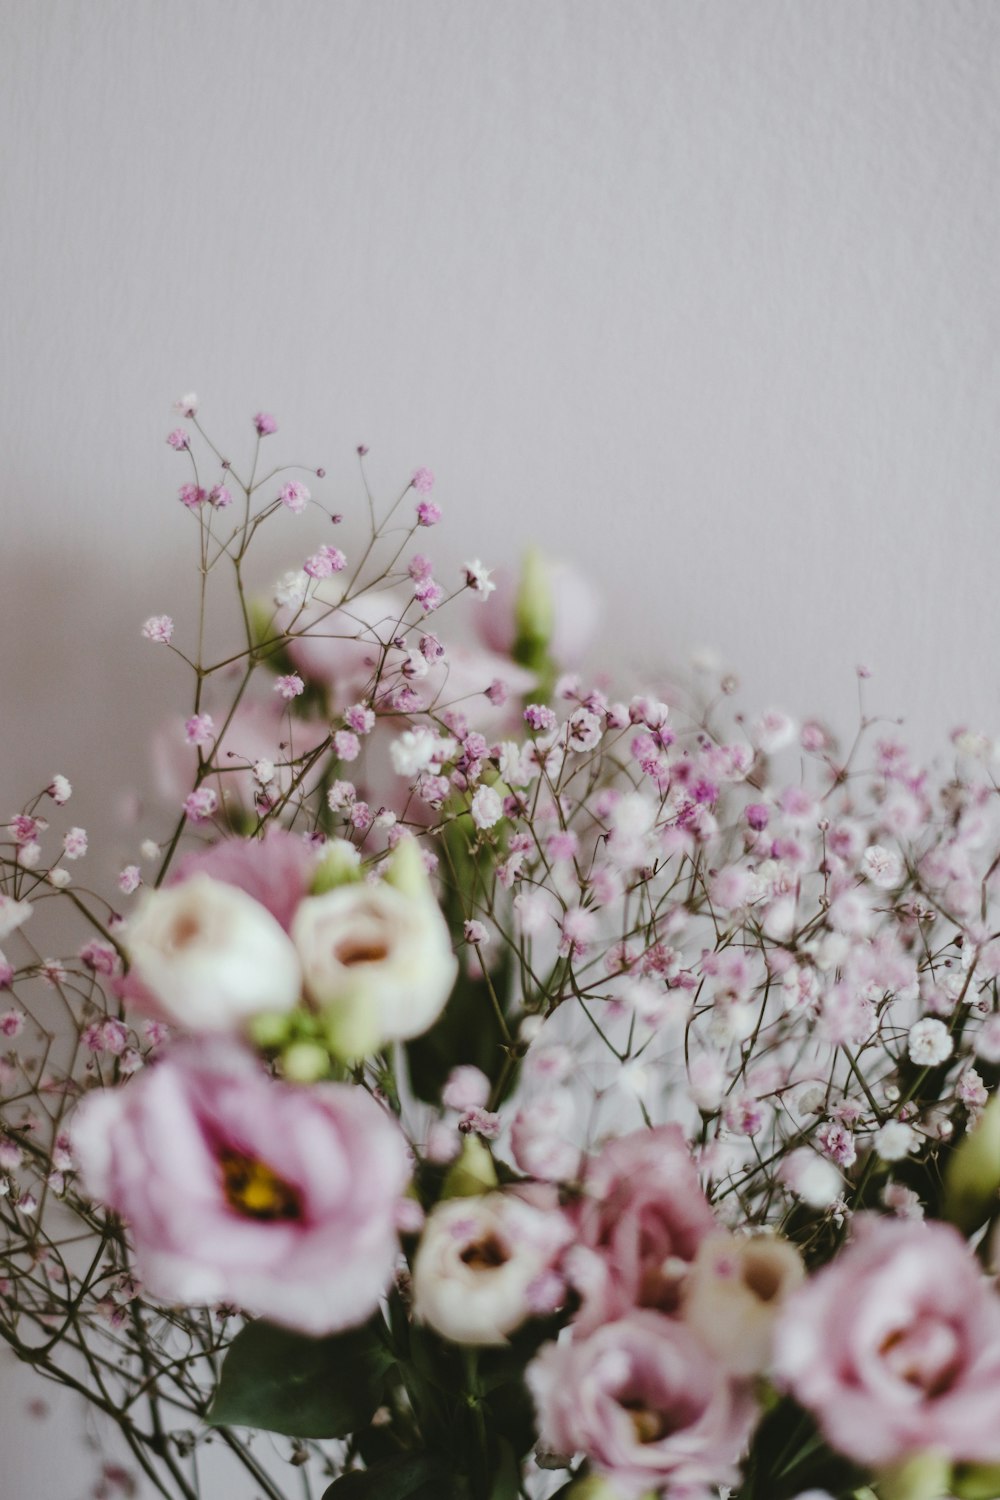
x=294 y=496
x=265 y=424
x=289 y=686
x=419 y=567
x=6 y=972
x=219 y=496
x=428 y=513
x=346 y=745
x=191 y=495
x=159 y=628
x=422 y=481
x=26 y=829
x=325 y=562
x=428 y=594
x=75 y=843
x=100 y=957
x=361 y=816
x=178 y=439
x=476 y=932
x=466 y=1088
x=129 y=879
x=199 y=729
x=12 y=1022
x=360 y=718
x=200 y=805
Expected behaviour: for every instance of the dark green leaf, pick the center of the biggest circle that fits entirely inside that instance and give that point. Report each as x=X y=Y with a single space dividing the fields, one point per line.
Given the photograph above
x=302 y=1387
x=412 y=1476
x=505 y=1480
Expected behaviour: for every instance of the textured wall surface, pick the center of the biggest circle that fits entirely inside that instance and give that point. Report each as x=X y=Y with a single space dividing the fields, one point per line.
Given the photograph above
x=703 y=296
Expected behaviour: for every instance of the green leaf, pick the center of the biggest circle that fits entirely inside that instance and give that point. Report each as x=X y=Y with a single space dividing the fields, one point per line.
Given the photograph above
x=505 y=1480
x=302 y=1387
x=412 y=1476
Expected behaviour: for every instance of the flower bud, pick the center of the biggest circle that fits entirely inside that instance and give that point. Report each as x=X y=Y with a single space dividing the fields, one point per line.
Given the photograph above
x=972 y=1177
x=305 y=1062
x=976 y=1482
x=925 y=1476
x=340 y=865
x=534 y=612
x=473 y=1173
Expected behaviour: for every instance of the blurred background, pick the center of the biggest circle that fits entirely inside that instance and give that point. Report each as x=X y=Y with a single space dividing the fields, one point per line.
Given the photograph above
x=701 y=297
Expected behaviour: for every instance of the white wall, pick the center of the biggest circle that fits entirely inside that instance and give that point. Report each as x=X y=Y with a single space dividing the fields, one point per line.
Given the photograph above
x=704 y=295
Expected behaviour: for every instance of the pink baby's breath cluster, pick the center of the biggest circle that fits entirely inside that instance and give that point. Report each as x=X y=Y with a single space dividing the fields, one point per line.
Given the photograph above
x=611 y=1071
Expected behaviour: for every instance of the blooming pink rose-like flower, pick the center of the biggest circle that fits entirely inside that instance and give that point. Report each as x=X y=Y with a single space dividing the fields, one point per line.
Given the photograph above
x=639 y=1224
x=237 y=1189
x=275 y=870
x=646 y=1402
x=895 y=1346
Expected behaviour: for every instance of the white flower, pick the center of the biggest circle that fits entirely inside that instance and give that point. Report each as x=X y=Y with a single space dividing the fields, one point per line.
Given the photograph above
x=487 y=807
x=930 y=1042
x=377 y=961
x=186 y=406
x=13 y=914
x=291 y=588
x=478 y=579
x=895 y=1141
x=412 y=752
x=772 y=731
x=734 y=1292
x=814 y=1179
x=210 y=955
x=883 y=867
x=478 y=1263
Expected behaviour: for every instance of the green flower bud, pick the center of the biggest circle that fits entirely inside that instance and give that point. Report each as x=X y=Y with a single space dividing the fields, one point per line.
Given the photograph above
x=925 y=1476
x=534 y=613
x=405 y=870
x=976 y=1482
x=473 y=1173
x=271 y=1028
x=972 y=1177
x=305 y=1062
x=340 y=865
x=351 y=1027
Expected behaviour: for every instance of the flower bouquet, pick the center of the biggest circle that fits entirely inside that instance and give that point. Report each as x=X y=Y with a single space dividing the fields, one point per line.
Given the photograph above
x=489 y=1083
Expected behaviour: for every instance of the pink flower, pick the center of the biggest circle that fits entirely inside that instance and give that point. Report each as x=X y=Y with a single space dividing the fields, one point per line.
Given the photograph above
x=199 y=729
x=642 y=1218
x=159 y=628
x=219 y=496
x=191 y=495
x=75 y=843
x=895 y=1346
x=199 y=806
x=178 y=439
x=422 y=481
x=275 y=870
x=646 y=1403
x=237 y=1189
x=428 y=513
x=289 y=686
x=294 y=496
x=265 y=424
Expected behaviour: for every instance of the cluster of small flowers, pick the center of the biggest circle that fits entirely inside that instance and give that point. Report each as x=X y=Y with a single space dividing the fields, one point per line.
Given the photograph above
x=522 y=1010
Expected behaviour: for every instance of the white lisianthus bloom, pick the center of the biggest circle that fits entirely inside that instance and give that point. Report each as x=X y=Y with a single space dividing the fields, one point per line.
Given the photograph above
x=485 y=1265
x=733 y=1294
x=208 y=956
x=377 y=960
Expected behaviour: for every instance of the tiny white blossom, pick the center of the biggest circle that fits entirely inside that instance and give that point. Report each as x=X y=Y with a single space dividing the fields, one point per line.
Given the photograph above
x=930 y=1042
x=487 y=807
x=883 y=867
x=478 y=579
x=895 y=1141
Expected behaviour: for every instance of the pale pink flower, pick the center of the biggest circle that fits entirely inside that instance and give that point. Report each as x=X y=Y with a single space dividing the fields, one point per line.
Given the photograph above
x=486 y=807
x=930 y=1043
x=276 y=1198
x=642 y=1217
x=275 y=870
x=129 y=879
x=159 y=628
x=294 y=496
x=422 y=480
x=289 y=685
x=895 y=1346
x=199 y=729
x=60 y=790
x=201 y=805
x=178 y=439
x=187 y=406
x=428 y=513
x=75 y=843
x=219 y=496
x=346 y=745
x=265 y=424
x=466 y=1088
x=191 y=495
x=646 y=1403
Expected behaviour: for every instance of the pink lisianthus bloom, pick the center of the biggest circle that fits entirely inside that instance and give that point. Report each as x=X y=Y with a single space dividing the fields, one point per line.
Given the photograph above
x=639 y=1224
x=576 y=613
x=276 y=1198
x=646 y=1403
x=895 y=1346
